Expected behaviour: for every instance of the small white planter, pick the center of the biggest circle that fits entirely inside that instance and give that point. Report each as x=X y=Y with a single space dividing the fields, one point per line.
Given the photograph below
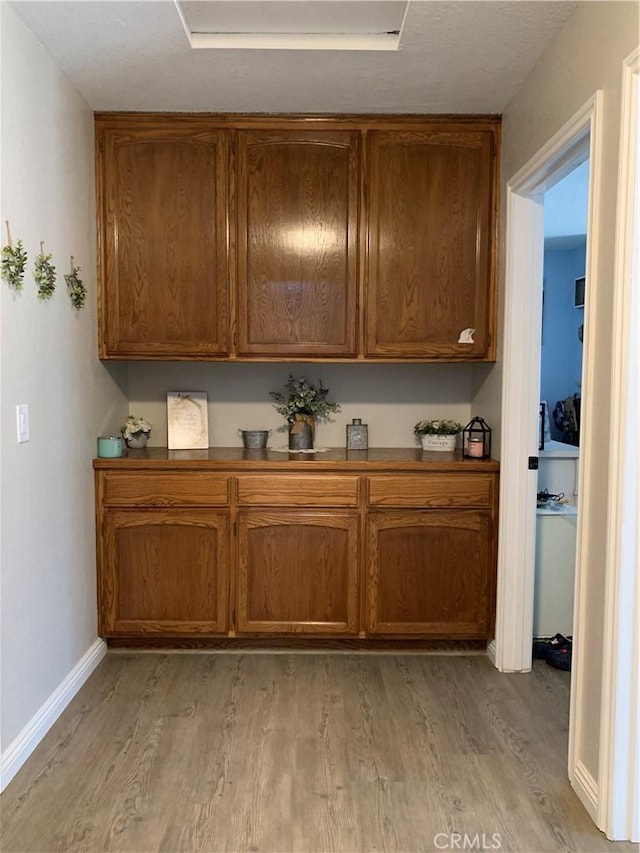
x=137 y=442
x=438 y=442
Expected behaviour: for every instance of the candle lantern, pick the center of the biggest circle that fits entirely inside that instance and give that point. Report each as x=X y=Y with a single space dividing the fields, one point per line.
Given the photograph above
x=476 y=440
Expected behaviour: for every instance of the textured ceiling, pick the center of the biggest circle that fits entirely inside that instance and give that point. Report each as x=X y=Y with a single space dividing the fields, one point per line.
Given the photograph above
x=459 y=57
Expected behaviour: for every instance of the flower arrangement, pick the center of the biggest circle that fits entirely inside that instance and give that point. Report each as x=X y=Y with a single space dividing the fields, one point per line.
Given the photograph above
x=437 y=427
x=134 y=428
x=301 y=397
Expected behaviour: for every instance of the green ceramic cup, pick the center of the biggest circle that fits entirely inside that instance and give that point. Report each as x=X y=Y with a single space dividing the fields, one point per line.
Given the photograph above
x=110 y=446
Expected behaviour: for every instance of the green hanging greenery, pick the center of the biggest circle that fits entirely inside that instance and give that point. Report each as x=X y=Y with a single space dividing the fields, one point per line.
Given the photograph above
x=45 y=275
x=75 y=286
x=14 y=262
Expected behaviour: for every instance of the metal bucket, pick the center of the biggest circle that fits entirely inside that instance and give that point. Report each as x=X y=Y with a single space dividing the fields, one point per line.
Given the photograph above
x=254 y=439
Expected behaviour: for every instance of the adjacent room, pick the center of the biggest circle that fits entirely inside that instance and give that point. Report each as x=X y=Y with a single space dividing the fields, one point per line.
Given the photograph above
x=561 y=351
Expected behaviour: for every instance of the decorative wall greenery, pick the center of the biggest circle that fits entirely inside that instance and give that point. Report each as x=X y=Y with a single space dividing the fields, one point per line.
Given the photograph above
x=44 y=274
x=75 y=287
x=14 y=262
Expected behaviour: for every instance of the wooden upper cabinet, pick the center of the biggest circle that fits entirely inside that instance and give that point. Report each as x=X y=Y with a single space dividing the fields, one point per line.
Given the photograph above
x=162 y=195
x=246 y=237
x=430 y=271
x=296 y=242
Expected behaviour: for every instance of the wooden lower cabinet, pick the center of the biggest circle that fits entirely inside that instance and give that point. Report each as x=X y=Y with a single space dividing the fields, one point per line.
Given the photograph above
x=298 y=572
x=389 y=544
x=164 y=571
x=430 y=573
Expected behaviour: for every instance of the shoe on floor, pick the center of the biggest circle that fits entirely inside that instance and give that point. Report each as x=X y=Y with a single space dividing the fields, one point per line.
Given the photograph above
x=560 y=657
x=541 y=648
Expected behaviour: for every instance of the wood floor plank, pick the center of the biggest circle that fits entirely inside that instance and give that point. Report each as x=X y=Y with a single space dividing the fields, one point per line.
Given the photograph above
x=302 y=753
x=321 y=772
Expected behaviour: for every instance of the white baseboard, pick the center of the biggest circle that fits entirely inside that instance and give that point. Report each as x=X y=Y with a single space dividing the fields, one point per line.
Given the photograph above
x=491 y=651
x=586 y=788
x=21 y=748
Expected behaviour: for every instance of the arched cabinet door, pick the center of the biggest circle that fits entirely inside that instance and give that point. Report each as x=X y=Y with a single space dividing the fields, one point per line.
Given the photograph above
x=430 y=573
x=162 y=207
x=430 y=264
x=164 y=572
x=296 y=241
x=297 y=571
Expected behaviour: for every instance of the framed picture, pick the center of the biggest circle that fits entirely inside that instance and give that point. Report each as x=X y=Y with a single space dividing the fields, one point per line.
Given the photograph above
x=578 y=299
x=187 y=420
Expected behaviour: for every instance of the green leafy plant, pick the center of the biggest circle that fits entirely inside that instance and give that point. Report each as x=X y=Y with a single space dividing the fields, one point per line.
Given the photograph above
x=301 y=397
x=437 y=427
x=45 y=275
x=75 y=287
x=14 y=262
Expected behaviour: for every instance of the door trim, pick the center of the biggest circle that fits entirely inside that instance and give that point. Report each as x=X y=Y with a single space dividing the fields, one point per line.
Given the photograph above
x=618 y=808
x=578 y=138
x=523 y=308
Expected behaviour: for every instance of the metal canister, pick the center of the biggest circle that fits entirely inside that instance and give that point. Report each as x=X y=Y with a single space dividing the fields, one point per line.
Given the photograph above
x=357 y=435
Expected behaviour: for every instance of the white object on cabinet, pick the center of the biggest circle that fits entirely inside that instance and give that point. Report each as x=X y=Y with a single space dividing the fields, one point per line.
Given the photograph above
x=187 y=420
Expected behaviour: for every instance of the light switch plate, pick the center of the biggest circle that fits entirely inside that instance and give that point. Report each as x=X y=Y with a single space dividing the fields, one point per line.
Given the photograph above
x=22 y=419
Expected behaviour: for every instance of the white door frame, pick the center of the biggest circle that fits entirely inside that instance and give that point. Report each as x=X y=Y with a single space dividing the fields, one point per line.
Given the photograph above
x=572 y=144
x=613 y=799
x=576 y=141
x=619 y=770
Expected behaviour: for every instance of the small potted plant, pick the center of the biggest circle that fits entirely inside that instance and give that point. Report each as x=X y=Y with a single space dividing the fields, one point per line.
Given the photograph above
x=301 y=403
x=135 y=432
x=438 y=434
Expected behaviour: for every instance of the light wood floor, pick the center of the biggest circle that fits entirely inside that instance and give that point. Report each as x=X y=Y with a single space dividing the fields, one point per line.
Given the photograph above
x=303 y=752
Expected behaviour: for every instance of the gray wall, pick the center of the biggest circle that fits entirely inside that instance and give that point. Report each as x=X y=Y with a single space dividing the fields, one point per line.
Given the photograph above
x=390 y=398
x=47 y=570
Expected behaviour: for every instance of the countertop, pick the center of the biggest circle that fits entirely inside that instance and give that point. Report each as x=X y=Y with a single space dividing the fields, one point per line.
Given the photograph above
x=337 y=458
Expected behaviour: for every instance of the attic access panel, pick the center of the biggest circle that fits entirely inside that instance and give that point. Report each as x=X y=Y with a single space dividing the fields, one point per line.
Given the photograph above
x=293 y=24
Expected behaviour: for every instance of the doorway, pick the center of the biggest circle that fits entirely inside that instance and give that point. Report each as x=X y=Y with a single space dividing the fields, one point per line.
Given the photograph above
x=563 y=309
x=603 y=727
x=576 y=142
x=604 y=685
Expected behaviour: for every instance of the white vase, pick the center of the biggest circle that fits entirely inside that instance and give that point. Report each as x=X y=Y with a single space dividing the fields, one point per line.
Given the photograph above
x=138 y=442
x=438 y=442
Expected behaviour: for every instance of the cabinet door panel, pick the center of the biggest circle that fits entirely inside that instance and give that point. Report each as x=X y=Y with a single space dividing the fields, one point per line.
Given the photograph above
x=429 y=264
x=298 y=572
x=430 y=573
x=297 y=242
x=164 y=572
x=164 y=265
